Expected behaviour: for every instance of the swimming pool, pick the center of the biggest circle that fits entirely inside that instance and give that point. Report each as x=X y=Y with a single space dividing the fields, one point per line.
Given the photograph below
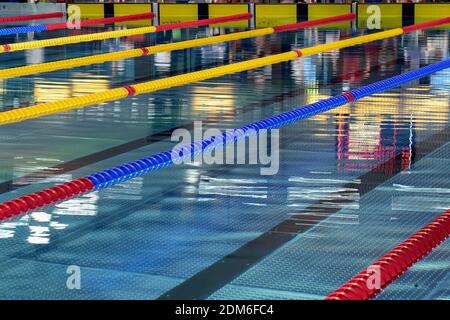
x=352 y=183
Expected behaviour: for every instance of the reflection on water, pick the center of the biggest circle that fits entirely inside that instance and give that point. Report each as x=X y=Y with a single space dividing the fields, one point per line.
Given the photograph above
x=232 y=187
x=155 y=224
x=367 y=134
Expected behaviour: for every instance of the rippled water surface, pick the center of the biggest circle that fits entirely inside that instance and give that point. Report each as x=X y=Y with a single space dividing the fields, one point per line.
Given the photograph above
x=352 y=182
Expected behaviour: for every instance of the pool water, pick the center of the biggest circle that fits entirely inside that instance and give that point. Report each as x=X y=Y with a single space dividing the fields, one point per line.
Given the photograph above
x=352 y=182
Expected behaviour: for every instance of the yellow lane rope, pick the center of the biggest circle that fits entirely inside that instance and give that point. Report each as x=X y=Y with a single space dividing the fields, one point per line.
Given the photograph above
x=40 y=110
x=101 y=58
x=117 y=33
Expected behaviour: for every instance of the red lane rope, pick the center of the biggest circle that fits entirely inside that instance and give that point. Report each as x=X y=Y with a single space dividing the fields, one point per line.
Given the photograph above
x=424 y=25
x=131 y=90
x=6 y=47
x=145 y=51
x=395 y=262
x=349 y=95
x=84 y=23
x=32 y=17
x=203 y=22
x=45 y=197
x=316 y=22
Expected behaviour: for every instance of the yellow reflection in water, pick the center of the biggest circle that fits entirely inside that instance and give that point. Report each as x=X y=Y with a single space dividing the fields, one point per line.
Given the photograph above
x=424 y=106
x=48 y=91
x=213 y=101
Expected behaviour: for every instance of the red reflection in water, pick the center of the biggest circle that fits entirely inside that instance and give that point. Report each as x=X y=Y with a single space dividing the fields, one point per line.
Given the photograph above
x=355 y=153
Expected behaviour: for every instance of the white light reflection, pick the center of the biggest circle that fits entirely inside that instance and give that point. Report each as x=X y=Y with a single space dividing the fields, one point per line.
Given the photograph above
x=163 y=59
x=40 y=216
x=330 y=193
x=242 y=188
x=86 y=205
x=39 y=235
x=416 y=199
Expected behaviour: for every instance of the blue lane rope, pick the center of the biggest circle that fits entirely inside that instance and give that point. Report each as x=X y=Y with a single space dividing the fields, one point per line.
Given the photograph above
x=106 y=178
x=25 y=29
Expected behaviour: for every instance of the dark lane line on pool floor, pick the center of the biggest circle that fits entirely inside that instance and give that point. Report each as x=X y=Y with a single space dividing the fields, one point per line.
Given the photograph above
x=221 y=273
x=39 y=176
